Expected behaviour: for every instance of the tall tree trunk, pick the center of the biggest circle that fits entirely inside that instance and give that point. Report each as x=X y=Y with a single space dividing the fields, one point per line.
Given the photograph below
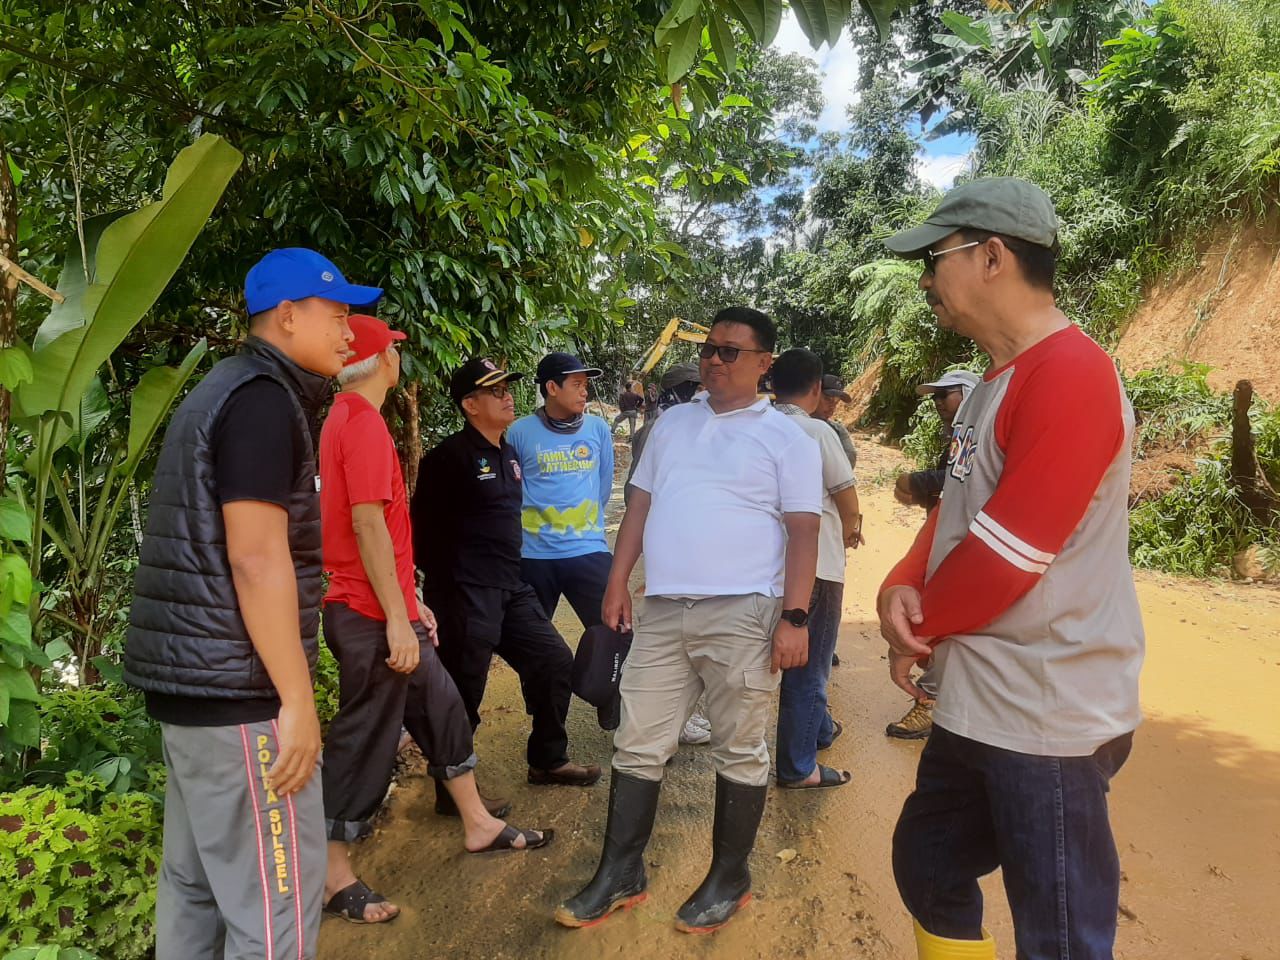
x=407 y=433
x=1254 y=490
x=8 y=291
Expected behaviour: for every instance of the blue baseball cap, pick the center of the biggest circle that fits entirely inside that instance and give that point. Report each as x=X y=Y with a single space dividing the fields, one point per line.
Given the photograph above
x=295 y=273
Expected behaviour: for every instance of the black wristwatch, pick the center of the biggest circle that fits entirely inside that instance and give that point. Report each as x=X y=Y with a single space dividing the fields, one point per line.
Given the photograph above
x=797 y=617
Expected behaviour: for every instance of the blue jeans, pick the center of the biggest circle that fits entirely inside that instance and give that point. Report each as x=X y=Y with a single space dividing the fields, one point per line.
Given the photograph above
x=1042 y=820
x=803 y=722
x=581 y=580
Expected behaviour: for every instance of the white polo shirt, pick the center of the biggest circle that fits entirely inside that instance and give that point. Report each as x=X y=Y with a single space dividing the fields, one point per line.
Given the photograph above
x=720 y=484
x=837 y=475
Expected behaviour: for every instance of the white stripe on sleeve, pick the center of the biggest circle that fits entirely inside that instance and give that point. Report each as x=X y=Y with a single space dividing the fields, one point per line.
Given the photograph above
x=1019 y=561
x=1015 y=543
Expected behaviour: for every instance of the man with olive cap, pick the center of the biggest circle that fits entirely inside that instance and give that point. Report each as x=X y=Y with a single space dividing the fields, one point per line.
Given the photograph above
x=224 y=621
x=466 y=541
x=1020 y=587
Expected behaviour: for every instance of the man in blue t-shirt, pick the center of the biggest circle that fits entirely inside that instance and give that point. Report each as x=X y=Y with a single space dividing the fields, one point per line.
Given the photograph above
x=566 y=457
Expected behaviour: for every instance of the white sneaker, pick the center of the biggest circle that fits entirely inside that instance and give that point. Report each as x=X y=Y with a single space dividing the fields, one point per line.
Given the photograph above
x=694 y=732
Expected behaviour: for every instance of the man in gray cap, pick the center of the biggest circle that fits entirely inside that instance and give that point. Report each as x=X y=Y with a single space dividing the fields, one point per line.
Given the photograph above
x=833 y=394
x=923 y=488
x=1019 y=586
x=677 y=385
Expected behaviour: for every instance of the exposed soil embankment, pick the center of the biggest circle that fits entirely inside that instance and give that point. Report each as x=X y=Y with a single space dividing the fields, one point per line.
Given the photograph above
x=1225 y=312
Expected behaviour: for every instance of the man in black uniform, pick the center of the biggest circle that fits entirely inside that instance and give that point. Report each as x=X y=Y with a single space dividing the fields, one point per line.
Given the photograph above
x=466 y=540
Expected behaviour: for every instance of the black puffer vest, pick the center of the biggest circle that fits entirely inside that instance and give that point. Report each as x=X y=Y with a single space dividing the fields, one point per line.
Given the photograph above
x=186 y=636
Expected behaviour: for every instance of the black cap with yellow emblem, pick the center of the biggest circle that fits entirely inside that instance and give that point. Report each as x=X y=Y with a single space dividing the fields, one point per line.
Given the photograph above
x=477 y=373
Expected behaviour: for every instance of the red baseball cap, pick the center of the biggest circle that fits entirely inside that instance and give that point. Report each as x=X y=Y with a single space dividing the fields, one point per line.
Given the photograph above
x=372 y=337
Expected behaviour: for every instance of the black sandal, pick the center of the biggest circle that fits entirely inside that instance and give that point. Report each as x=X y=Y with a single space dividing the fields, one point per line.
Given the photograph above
x=504 y=840
x=827 y=777
x=349 y=903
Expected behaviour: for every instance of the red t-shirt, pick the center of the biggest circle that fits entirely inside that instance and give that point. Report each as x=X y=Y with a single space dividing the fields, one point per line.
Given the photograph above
x=358 y=464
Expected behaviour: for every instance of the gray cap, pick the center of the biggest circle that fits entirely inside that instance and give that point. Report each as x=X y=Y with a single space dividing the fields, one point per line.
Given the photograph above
x=1007 y=205
x=678 y=374
x=833 y=386
x=964 y=379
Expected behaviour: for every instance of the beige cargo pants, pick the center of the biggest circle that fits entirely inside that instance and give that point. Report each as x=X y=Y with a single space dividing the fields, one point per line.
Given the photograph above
x=682 y=648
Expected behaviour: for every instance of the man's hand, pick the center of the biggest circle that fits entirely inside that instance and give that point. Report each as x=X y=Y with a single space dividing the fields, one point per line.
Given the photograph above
x=900 y=665
x=902 y=490
x=403 y=641
x=428 y=619
x=900 y=612
x=855 y=538
x=790 y=646
x=297 y=745
x=615 y=611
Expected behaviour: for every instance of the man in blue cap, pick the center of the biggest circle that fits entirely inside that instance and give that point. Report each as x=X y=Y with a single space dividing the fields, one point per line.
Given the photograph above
x=566 y=457
x=222 y=634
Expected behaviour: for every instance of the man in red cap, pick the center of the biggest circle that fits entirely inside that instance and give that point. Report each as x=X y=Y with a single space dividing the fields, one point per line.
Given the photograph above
x=382 y=635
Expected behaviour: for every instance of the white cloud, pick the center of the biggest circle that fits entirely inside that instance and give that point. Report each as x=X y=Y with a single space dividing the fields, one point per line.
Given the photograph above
x=941 y=169
x=838 y=67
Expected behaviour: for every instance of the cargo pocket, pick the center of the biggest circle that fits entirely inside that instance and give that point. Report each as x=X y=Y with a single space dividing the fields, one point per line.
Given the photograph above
x=759 y=679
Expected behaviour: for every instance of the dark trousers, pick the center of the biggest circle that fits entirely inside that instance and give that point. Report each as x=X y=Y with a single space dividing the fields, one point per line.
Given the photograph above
x=478 y=621
x=580 y=580
x=1042 y=820
x=373 y=702
x=803 y=720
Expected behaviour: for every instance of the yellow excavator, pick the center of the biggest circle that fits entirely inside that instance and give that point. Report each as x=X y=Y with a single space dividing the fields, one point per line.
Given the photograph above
x=677 y=329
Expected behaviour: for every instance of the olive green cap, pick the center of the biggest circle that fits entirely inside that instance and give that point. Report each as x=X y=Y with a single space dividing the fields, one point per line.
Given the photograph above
x=1007 y=205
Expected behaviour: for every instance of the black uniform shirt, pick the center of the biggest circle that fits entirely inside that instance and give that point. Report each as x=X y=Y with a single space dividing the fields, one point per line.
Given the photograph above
x=466 y=513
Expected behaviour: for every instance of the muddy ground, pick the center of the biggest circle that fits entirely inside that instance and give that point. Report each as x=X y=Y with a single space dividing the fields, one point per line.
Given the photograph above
x=1196 y=809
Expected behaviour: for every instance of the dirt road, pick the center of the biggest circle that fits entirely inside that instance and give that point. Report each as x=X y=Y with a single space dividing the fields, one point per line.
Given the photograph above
x=1196 y=809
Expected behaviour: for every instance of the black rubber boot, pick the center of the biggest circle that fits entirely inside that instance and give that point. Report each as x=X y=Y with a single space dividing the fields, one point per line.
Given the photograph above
x=619 y=882
x=727 y=887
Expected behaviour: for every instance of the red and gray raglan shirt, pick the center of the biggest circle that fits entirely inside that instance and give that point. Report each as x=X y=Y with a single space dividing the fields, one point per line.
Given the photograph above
x=1027 y=592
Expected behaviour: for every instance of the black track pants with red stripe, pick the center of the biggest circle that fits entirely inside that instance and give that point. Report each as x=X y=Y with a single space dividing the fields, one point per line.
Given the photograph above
x=243 y=873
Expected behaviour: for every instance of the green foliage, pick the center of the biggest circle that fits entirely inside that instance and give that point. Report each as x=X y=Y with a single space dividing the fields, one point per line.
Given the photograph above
x=326 y=685
x=1196 y=528
x=1177 y=409
x=49 y=952
x=72 y=875
x=102 y=732
x=923 y=440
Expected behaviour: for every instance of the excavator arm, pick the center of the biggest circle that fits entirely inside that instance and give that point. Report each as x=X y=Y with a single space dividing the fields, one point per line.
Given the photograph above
x=677 y=329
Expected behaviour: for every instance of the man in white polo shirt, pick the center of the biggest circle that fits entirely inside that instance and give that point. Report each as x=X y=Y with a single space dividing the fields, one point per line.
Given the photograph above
x=726 y=507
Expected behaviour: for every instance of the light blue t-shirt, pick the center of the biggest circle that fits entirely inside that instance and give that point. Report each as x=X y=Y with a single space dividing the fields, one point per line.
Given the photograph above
x=568 y=478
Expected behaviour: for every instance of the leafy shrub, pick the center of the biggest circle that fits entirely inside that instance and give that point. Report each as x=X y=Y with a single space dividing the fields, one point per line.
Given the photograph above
x=1177 y=408
x=49 y=952
x=1196 y=528
x=326 y=685
x=102 y=731
x=71 y=874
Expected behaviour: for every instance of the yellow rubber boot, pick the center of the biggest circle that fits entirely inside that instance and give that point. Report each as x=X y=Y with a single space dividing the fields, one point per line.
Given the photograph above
x=929 y=947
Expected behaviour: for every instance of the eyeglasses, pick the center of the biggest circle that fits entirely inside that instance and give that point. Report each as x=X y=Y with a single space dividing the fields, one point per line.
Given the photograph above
x=727 y=354
x=931 y=256
x=498 y=391
x=940 y=396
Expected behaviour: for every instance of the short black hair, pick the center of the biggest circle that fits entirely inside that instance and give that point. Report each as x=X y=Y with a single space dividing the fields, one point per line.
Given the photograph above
x=765 y=332
x=558 y=381
x=795 y=372
x=258 y=319
x=1038 y=263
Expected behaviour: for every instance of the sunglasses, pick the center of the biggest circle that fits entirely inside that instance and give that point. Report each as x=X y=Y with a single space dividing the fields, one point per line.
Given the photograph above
x=940 y=396
x=726 y=354
x=930 y=257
